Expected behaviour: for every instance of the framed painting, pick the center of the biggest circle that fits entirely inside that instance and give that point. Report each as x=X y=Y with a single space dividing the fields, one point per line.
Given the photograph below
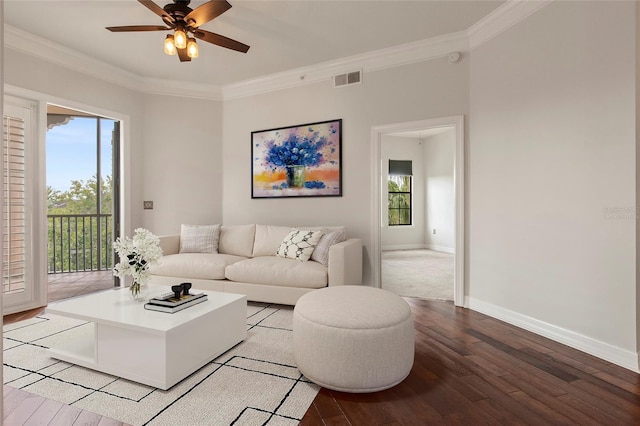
x=297 y=161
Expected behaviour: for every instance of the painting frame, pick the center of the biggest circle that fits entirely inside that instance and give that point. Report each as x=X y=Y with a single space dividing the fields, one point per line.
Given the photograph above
x=303 y=160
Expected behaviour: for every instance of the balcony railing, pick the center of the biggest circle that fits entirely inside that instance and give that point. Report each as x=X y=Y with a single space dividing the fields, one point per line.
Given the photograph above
x=80 y=242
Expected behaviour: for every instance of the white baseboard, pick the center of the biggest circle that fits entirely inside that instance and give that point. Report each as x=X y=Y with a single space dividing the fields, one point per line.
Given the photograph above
x=614 y=354
x=440 y=248
x=404 y=247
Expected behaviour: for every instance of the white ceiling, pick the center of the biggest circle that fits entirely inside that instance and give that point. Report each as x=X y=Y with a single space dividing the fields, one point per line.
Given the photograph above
x=283 y=35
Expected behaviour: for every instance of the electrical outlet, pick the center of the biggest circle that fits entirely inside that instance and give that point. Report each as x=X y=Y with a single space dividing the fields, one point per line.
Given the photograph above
x=147 y=205
x=434 y=231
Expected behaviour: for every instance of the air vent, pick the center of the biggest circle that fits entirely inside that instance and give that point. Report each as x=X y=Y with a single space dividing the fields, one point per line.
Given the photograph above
x=346 y=79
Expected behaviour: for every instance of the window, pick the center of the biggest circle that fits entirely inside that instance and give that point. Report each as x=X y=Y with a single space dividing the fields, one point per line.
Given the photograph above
x=399 y=188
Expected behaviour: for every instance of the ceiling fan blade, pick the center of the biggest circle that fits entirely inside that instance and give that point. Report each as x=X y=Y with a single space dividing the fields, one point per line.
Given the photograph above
x=219 y=40
x=182 y=54
x=138 y=28
x=206 y=12
x=157 y=10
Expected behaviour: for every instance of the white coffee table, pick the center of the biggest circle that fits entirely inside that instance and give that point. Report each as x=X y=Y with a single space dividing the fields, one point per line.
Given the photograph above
x=154 y=348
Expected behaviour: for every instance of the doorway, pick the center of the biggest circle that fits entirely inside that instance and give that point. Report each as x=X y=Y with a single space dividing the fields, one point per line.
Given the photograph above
x=418 y=245
x=420 y=232
x=82 y=201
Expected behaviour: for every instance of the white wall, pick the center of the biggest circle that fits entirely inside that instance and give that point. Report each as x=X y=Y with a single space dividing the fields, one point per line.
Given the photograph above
x=403 y=237
x=414 y=92
x=53 y=81
x=439 y=155
x=552 y=147
x=175 y=143
x=182 y=162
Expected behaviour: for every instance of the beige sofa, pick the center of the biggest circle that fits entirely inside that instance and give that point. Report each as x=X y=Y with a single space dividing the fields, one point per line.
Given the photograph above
x=246 y=264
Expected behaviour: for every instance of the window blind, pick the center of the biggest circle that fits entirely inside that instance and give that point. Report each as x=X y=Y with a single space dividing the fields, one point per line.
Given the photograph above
x=13 y=209
x=400 y=168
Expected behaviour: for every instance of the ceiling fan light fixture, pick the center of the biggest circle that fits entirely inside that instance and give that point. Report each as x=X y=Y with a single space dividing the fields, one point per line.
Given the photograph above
x=169 y=45
x=180 y=39
x=185 y=23
x=192 y=48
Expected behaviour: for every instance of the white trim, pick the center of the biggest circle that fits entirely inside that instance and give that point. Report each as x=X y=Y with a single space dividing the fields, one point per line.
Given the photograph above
x=403 y=54
x=458 y=183
x=39 y=47
x=403 y=247
x=501 y=19
x=125 y=144
x=54 y=53
x=597 y=348
x=441 y=249
x=185 y=89
x=395 y=56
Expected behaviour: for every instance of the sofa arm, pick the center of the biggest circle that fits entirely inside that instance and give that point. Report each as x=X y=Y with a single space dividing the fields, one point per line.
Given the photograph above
x=345 y=263
x=170 y=244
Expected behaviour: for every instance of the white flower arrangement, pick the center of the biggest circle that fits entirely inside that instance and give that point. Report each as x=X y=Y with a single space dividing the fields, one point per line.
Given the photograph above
x=136 y=255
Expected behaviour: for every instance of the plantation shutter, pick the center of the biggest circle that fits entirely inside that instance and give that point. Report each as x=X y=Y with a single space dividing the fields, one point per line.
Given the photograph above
x=400 y=168
x=13 y=208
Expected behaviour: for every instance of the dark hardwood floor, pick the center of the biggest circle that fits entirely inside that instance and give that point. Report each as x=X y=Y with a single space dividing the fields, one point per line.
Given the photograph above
x=471 y=369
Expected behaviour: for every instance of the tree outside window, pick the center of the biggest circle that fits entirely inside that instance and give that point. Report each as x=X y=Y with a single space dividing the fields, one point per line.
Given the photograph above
x=399 y=200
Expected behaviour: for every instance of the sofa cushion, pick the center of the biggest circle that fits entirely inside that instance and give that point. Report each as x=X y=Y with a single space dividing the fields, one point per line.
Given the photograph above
x=278 y=271
x=195 y=265
x=299 y=244
x=237 y=240
x=199 y=238
x=268 y=239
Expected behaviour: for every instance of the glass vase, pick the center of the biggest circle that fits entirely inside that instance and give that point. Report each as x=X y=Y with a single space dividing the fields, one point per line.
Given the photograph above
x=138 y=291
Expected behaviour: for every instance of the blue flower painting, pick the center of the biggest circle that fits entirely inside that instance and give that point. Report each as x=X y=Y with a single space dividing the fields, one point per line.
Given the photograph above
x=297 y=161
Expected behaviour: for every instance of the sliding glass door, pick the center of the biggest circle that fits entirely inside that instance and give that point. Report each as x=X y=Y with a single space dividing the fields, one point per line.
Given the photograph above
x=82 y=190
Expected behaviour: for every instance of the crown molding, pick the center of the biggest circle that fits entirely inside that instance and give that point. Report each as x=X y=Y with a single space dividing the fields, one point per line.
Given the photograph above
x=395 y=56
x=185 y=89
x=501 y=19
x=498 y=21
x=39 y=47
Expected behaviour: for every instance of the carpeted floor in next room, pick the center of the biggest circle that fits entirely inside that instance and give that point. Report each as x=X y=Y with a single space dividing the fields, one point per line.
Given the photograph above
x=424 y=274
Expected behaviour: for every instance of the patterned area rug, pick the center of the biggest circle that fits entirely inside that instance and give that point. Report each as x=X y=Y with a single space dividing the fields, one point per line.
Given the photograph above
x=254 y=383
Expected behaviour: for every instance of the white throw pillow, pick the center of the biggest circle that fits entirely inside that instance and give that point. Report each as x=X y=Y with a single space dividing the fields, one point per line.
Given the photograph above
x=199 y=238
x=299 y=244
x=321 y=252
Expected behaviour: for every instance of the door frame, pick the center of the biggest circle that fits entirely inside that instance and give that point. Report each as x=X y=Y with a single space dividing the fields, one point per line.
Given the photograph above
x=124 y=161
x=457 y=122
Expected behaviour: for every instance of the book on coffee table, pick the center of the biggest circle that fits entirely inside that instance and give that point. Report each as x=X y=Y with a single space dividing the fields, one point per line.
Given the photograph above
x=152 y=306
x=176 y=301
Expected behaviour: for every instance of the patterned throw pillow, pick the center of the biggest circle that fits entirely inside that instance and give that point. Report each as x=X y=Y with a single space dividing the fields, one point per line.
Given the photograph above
x=199 y=238
x=321 y=252
x=299 y=244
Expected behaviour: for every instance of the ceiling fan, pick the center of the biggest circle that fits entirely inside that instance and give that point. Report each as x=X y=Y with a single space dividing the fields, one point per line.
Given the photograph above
x=178 y=16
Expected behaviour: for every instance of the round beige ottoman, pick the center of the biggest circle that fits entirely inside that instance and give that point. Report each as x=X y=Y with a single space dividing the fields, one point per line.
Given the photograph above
x=353 y=338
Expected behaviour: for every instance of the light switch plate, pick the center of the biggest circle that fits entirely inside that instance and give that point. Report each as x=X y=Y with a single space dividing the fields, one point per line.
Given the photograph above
x=148 y=205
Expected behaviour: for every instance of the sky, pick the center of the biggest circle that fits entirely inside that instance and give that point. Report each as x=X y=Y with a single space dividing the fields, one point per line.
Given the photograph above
x=72 y=151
